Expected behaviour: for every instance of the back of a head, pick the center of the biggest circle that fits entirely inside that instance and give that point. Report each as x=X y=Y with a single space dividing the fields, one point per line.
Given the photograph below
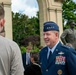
x=2 y=12
x=35 y=56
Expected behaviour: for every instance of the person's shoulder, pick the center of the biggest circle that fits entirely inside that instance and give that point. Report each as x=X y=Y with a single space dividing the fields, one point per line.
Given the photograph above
x=66 y=31
x=68 y=48
x=36 y=66
x=4 y=39
x=65 y=47
x=11 y=41
x=44 y=48
x=8 y=42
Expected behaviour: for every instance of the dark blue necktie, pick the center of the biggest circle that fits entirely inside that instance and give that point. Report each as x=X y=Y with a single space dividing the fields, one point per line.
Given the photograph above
x=49 y=56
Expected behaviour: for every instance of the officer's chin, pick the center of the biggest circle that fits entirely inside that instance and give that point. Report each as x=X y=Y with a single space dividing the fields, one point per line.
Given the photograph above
x=48 y=44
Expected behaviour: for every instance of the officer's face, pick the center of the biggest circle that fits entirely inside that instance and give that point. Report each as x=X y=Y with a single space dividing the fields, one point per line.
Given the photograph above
x=50 y=38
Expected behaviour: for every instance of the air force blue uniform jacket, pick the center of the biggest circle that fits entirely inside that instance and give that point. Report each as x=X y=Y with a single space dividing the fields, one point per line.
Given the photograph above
x=61 y=62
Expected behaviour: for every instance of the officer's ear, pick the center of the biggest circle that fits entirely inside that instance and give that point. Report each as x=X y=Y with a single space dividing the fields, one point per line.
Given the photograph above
x=2 y=22
x=56 y=33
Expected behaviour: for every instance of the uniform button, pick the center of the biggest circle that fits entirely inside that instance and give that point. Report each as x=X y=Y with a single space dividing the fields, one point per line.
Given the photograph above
x=46 y=70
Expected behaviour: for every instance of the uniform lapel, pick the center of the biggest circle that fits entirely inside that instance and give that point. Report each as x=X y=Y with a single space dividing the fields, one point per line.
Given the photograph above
x=53 y=56
x=45 y=56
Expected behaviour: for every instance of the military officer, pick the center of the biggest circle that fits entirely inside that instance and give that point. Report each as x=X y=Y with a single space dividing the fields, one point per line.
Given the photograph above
x=68 y=37
x=56 y=58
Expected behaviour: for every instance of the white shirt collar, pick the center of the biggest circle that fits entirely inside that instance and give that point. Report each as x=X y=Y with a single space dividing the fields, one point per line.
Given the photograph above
x=52 y=50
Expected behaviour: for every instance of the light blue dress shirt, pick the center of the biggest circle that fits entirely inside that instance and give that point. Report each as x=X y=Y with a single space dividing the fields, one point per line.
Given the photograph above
x=52 y=50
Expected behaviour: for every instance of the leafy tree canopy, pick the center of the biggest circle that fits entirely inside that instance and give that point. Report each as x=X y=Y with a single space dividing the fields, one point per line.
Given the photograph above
x=69 y=11
x=23 y=26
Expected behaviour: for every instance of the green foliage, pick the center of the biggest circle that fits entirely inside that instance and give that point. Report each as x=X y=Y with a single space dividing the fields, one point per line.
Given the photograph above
x=19 y=26
x=69 y=11
x=23 y=49
x=34 y=39
x=23 y=26
x=35 y=50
